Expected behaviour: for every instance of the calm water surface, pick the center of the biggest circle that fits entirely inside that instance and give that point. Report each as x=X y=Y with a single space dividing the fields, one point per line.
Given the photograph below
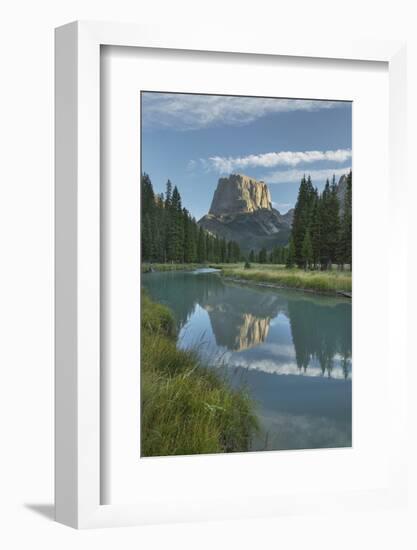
x=291 y=350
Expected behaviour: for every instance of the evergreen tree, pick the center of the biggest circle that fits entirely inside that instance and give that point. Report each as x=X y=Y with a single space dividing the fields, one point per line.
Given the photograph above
x=168 y=194
x=147 y=244
x=252 y=256
x=176 y=227
x=223 y=251
x=147 y=195
x=216 y=250
x=229 y=253
x=148 y=210
x=330 y=234
x=262 y=256
x=333 y=228
x=345 y=242
x=315 y=230
x=324 y=226
x=209 y=247
x=307 y=250
x=190 y=251
x=201 y=247
x=290 y=262
x=277 y=255
x=302 y=216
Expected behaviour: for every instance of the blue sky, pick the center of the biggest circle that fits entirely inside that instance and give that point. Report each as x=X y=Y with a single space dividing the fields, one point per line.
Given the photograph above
x=195 y=139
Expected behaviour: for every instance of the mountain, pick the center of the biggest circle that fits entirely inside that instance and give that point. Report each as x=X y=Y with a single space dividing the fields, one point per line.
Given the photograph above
x=240 y=194
x=241 y=211
x=241 y=323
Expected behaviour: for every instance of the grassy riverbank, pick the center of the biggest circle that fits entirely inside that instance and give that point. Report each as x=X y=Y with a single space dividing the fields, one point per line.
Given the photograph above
x=186 y=408
x=331 y=281
x=319 y=281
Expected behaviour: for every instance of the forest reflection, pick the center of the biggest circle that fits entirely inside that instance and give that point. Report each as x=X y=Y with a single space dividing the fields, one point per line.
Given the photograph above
x=241 y=317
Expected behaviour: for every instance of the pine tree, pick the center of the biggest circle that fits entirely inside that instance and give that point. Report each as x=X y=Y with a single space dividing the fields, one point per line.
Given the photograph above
x=333 y=222
x=147 y=244
x=201 y=247
x=170 y=234
x=147 y=195
x=325 y=225
x=233 y=252
x=348 y=220
x=148 y=206
x=290 y=262
x=229 y=252
x=252 y=256
x=345 y=241
x=315 y=230
x=223 y=251
x=216 y=250
x=307 y=250
x=168 y=194
x=302 y=216
x=190 y=252
x=210 y=248
x=262 y=256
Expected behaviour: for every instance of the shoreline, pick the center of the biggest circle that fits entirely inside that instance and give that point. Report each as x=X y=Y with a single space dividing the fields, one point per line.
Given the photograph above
x=179 y=391
x=277 y=286
x=161 y=268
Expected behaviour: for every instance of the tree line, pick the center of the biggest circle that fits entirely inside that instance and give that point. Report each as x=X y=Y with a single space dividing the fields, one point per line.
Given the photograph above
x=278 y=255
x=171 y=234
x=321 y=232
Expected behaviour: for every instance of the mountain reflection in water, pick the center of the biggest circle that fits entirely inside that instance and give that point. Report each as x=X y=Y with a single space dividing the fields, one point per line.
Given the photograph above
x=292 y=351
x=239 y=322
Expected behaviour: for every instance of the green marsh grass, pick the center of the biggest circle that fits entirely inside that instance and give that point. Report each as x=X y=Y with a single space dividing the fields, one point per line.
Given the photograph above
x=186 y=407
x=320 y=281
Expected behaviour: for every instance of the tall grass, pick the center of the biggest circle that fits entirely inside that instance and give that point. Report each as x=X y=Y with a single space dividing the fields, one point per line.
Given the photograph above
x=186 y=408
x=321 y=281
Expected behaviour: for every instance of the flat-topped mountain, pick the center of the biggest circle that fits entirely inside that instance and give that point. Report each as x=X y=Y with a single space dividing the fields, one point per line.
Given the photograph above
x=240 y=194
x=241 y=211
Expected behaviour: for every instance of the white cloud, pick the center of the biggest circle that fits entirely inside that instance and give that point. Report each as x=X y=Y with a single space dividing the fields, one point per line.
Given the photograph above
x=283 y=367
x=294 y=176
x=194 y=111
x=226 y=165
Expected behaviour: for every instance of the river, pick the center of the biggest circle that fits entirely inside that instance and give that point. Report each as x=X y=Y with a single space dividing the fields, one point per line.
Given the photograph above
x=289 y=349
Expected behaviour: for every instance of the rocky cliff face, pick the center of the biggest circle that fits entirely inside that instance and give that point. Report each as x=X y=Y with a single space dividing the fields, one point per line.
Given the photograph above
x=240 y=323
x=241 y=210
x=240 y=194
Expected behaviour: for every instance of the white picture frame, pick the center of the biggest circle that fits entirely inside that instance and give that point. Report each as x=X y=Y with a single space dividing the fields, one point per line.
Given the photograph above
x=77 y=242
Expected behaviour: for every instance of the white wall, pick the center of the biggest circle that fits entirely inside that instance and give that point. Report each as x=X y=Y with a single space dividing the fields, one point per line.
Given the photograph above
x=26 y=260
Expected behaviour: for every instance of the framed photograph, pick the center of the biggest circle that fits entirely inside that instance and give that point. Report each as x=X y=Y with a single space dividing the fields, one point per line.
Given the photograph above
x=221 y=207
x=246 y=312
